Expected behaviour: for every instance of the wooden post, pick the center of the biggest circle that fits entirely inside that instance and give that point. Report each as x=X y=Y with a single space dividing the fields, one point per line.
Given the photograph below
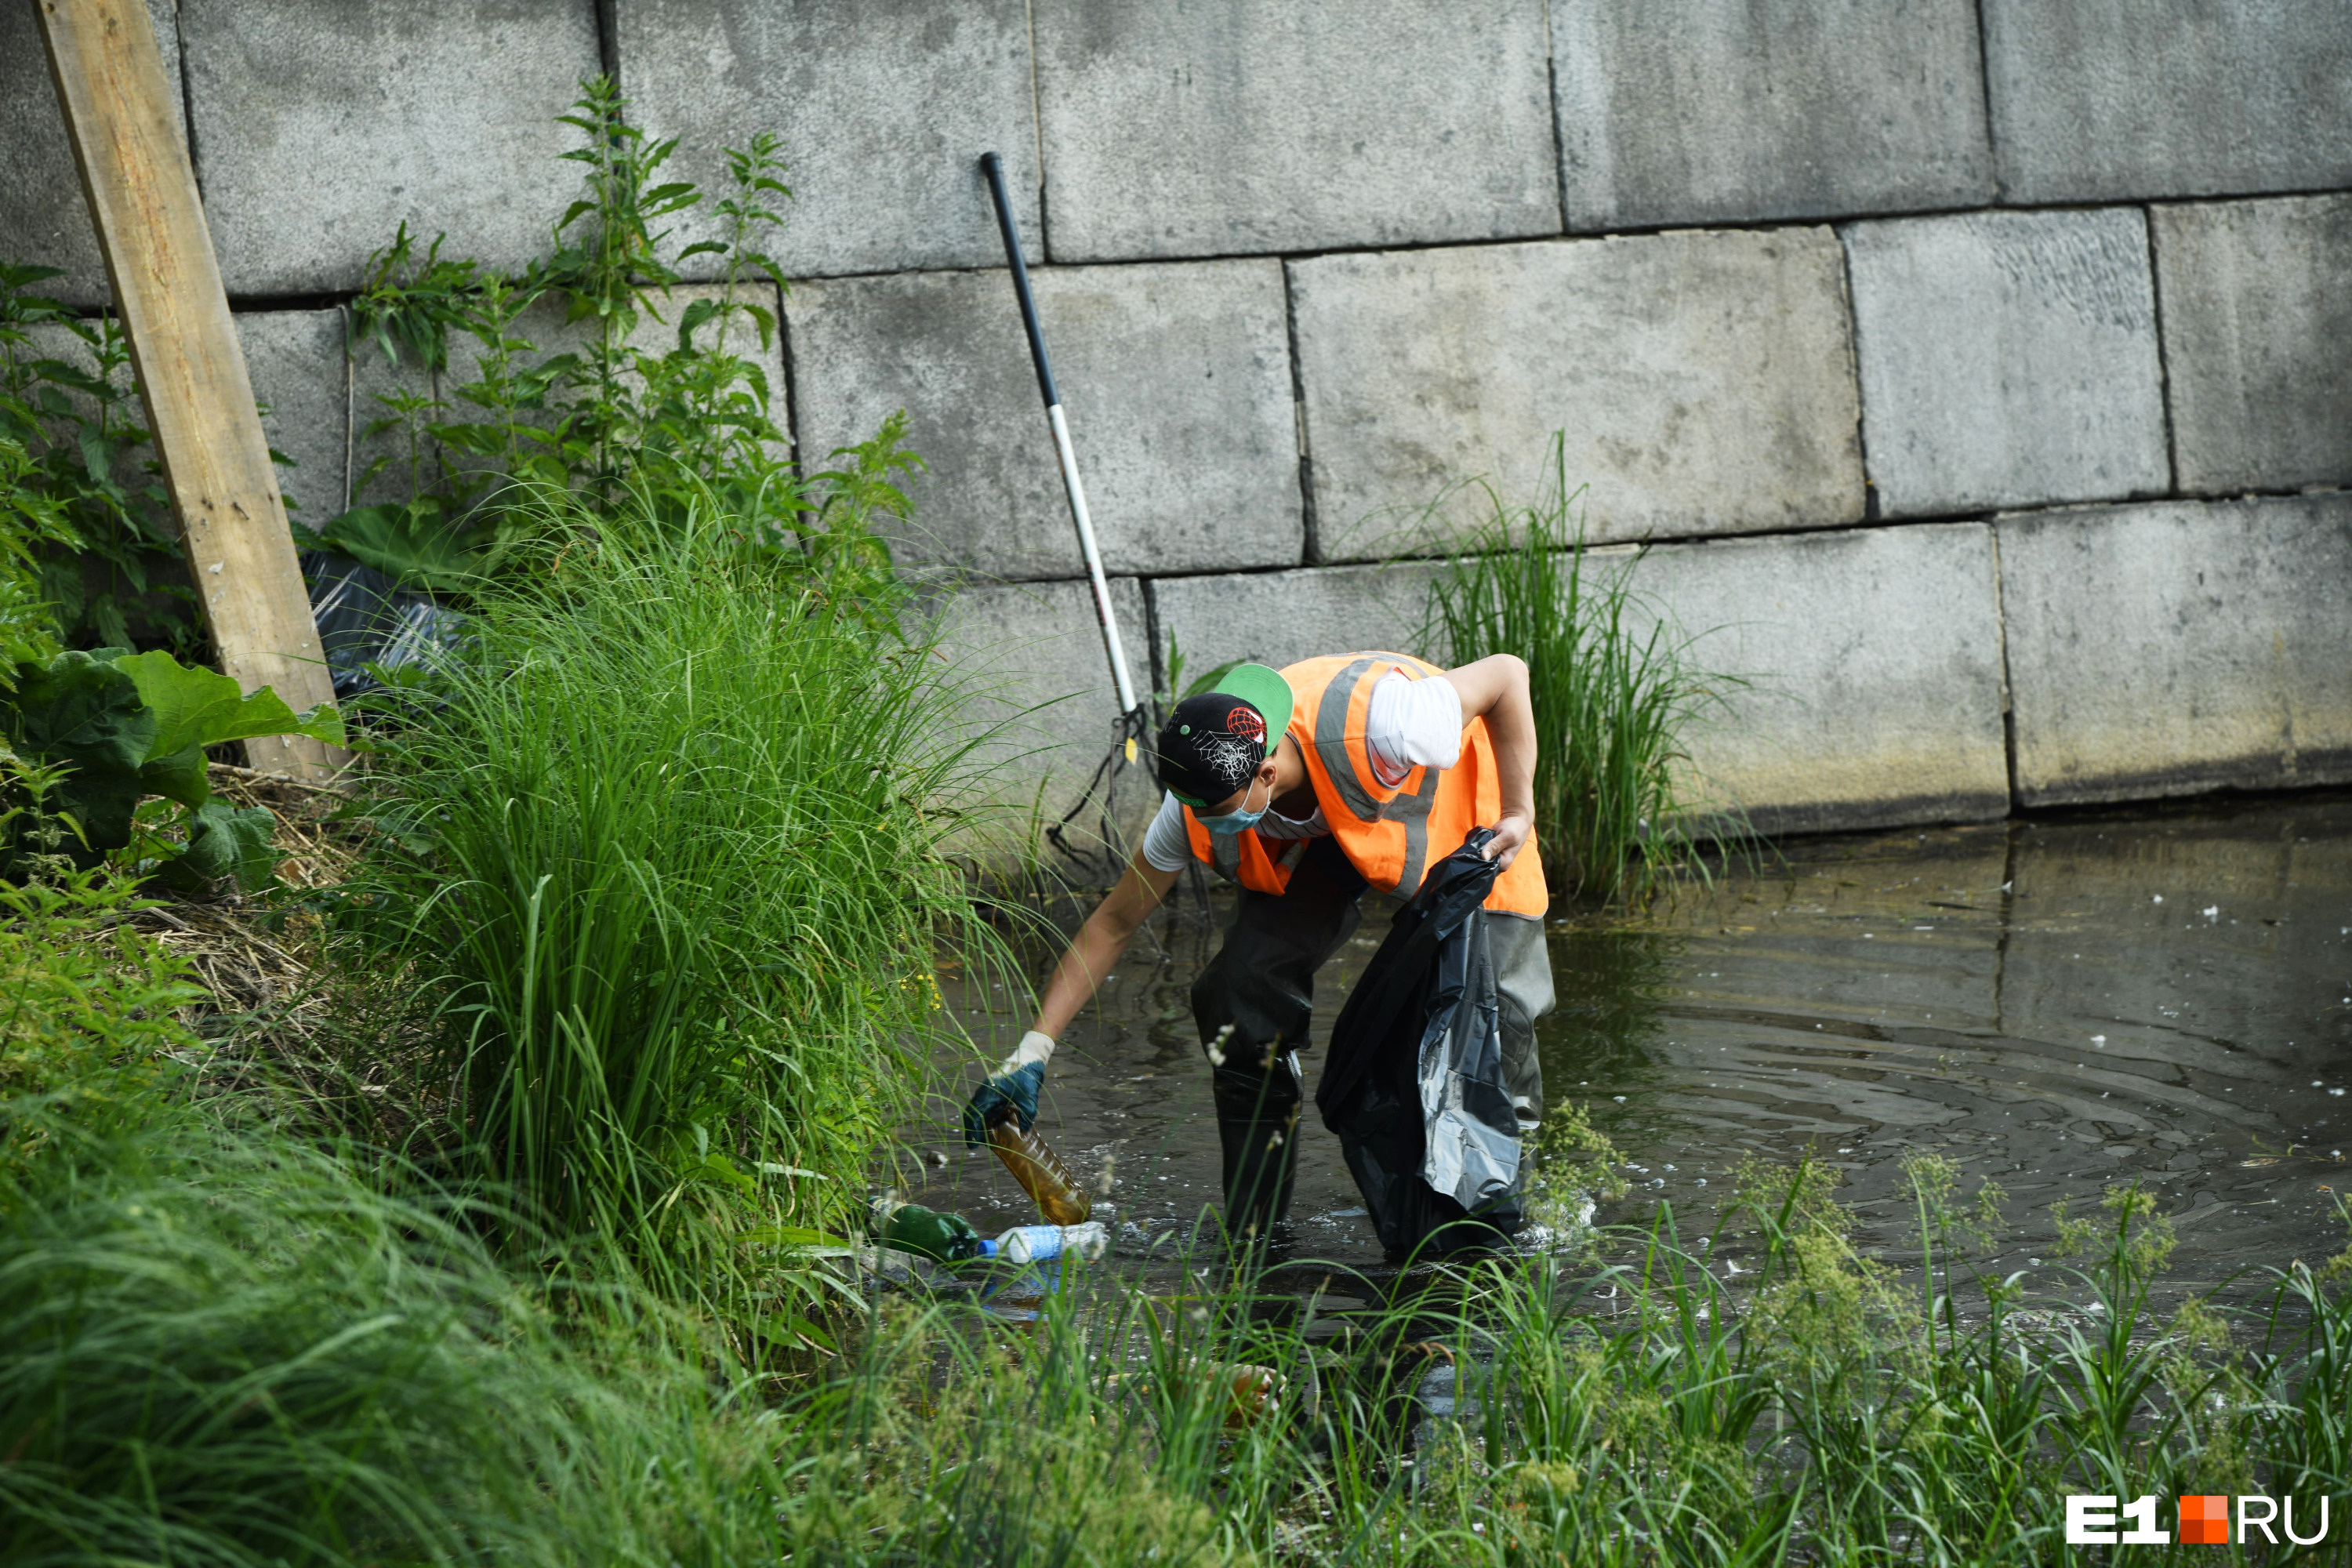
x=123 y=116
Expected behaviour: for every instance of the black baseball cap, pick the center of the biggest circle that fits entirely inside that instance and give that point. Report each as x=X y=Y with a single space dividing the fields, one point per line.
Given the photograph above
x=1213 y=742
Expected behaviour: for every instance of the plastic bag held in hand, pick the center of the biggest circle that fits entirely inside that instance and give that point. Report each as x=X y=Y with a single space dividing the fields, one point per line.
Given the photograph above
x=1010 y=1090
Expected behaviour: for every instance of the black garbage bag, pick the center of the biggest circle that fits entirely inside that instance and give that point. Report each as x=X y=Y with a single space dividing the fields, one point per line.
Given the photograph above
x=366 y=619
x=1414 y=1080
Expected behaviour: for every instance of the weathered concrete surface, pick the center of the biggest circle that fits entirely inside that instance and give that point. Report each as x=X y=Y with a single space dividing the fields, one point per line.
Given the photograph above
x=1741 y=110
x=1028 y=659
x=1704 y=382
x=2257 y=331
x=1873 y=657
x=2008 y=359
x=1175 y=377
x=2179 y=646
x=44 y=217
x=883 y=109
x=1260 y=125
x=1280 y=617
x=295 y=359
x=2109 y=99
x=322 y=125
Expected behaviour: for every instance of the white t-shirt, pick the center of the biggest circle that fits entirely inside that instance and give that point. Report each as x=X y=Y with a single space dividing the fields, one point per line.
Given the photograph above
x=1409 y=724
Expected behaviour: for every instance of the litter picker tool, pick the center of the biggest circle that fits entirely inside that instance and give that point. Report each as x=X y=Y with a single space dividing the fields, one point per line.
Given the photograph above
x=1133 y=720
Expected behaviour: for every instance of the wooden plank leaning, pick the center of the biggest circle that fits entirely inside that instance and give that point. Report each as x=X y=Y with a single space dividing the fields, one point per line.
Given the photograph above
x=122 y=116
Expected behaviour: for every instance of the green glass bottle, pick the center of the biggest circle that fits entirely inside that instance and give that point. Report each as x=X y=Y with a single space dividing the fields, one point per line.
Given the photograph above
x=944 y=1238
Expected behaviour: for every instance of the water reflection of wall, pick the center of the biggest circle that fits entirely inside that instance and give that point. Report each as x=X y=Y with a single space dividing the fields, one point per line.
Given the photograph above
x=2048 y=1004
x=2215 y=945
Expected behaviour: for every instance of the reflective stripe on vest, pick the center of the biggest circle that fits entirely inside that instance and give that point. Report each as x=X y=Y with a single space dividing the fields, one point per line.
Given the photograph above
x=1386 y=831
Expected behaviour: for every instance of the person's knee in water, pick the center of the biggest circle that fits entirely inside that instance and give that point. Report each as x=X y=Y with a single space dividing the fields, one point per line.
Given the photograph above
x=1304 y=787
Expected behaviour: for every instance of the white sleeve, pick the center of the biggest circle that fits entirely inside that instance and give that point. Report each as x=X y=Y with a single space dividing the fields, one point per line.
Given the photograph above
x=1414 y=723
x=1166 y=846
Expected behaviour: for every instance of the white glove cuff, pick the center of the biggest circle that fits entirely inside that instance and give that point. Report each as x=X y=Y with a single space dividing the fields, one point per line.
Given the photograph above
x=1033 y=1047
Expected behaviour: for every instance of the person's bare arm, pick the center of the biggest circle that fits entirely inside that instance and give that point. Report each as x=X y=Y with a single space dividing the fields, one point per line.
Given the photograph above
x=1495 y=688
x=1099 y=942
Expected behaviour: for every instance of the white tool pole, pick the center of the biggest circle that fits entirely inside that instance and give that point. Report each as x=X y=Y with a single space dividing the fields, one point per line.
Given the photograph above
x=993 y=167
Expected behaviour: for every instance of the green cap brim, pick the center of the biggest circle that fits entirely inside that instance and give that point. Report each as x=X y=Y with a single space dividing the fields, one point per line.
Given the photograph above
x=1263 y=690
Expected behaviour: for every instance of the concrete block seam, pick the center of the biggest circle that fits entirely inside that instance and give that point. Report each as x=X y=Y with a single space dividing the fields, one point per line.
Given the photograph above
x=1839 y=220
x=2000 y=632
x=187 y=104
x=1037 y=136
x=1558 y=142
x=1993 y=138
x=608 y=39
x=793 y=402
x=1310 y=548
x=1155 y=666
x=1870 y=508
x=2163 y=355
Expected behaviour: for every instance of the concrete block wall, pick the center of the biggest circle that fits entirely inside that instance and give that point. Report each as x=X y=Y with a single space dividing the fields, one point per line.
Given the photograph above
x=1973 y=368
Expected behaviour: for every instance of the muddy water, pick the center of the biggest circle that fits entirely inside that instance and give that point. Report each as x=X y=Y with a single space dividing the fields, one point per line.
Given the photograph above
x=2056 y=1005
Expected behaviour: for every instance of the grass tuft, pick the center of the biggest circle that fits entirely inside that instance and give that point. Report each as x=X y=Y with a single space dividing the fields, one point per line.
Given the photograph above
x=1615 y=689
x=666 y=852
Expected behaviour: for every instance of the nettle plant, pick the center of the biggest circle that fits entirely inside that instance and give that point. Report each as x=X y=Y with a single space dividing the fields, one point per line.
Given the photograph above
x=598 y=378
x=80 y=477
x=594 y=378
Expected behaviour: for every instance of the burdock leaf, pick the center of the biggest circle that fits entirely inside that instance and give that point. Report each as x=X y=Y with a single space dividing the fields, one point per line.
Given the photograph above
x=79 y=709
x=199 y=708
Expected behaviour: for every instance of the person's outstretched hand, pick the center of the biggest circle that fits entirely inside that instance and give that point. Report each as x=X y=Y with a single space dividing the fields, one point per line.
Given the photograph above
x=1012 y=1087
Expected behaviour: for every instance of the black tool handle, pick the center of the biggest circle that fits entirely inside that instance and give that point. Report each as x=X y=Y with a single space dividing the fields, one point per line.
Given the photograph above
x=993 y=167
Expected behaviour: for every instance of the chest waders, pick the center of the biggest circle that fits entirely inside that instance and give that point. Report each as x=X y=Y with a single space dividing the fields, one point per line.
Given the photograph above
x=1252 y=1004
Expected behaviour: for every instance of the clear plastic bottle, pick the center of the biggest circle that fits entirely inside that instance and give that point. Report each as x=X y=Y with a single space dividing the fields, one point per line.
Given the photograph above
x=1027 y=1244
x=1040 y=1173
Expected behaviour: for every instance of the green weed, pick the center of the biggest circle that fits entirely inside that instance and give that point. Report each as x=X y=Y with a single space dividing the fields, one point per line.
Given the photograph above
x=79 y=486
x=590 y=406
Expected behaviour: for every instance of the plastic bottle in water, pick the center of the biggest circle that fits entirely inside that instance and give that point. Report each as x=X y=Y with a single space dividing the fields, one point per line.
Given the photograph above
x=1026 y=1244
x=1040 y=1172
x=944 y=1238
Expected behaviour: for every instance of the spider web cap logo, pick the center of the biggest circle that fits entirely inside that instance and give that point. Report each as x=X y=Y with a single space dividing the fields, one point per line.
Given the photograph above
x=1210 y=747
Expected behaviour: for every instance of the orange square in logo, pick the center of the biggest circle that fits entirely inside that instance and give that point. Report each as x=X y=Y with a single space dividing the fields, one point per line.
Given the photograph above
x=2205 y=1522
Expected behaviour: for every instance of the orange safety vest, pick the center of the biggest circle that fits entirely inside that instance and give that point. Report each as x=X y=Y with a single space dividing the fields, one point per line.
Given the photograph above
x=1388 y=833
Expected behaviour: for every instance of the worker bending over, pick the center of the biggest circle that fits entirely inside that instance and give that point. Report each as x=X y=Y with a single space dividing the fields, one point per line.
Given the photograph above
x=1306 y=785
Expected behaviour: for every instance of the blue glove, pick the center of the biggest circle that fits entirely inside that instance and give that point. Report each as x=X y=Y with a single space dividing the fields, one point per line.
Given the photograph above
x=1015 y=1091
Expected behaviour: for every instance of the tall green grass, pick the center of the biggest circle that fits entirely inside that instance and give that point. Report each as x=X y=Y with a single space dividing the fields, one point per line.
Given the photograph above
x=224 y=1343
x=665 y=850
x=225 y=1348
x=1615 y=686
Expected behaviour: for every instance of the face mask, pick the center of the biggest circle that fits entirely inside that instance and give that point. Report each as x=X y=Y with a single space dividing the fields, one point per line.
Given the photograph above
x=1240 y=821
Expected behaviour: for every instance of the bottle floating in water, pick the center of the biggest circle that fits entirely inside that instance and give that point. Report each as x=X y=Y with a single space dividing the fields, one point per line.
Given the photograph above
x=1027 y=1244
x=1040 y=1172
x=942 y=1238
